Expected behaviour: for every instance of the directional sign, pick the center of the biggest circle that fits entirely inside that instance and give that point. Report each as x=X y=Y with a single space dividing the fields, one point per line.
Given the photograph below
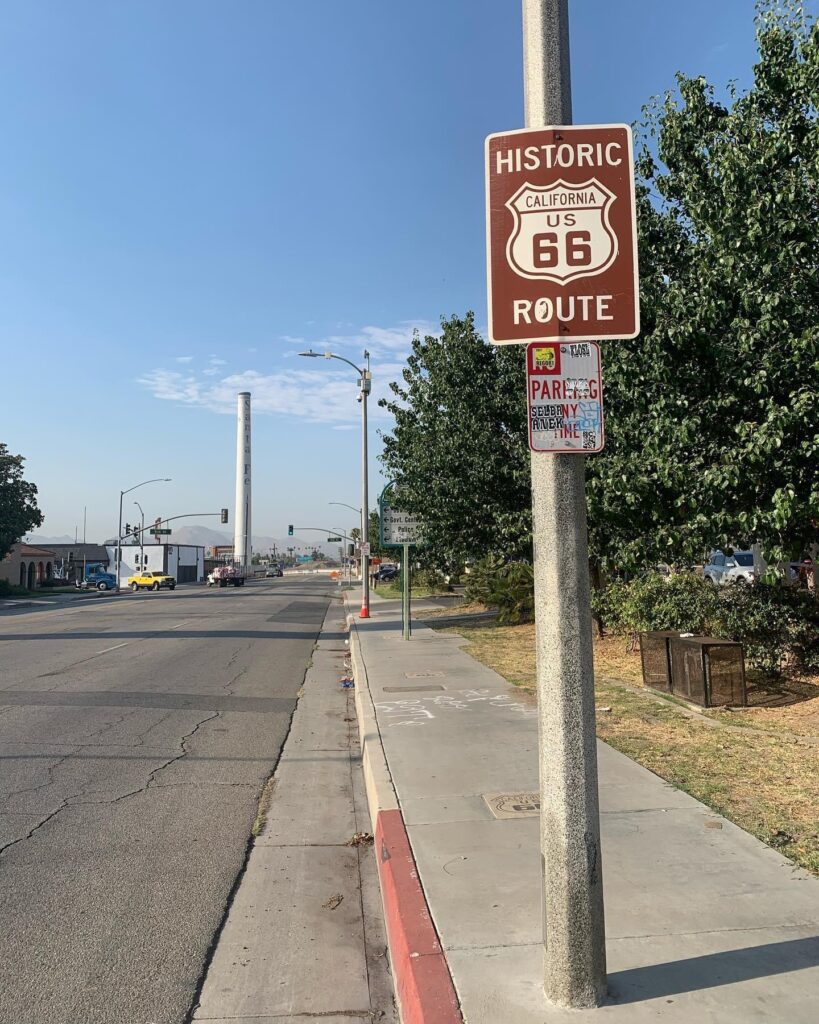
x=561 y=234
x=398 y=528
x=160 y=533
x=564 y=388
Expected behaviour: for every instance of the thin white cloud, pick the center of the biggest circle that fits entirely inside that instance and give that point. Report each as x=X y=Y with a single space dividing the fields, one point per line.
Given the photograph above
x=381 y=340
x=324 y=393
x=184 y=359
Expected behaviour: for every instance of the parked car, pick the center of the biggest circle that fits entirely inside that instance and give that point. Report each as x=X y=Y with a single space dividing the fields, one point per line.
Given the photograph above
x=737 y=567
x=151 y=581
x=385 y=573
x=273 y=572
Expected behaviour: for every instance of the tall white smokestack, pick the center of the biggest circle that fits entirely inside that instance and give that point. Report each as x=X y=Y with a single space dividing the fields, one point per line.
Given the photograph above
x=242 y=535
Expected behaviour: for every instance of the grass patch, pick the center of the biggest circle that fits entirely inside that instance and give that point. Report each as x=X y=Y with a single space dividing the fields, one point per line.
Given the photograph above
x=763 y=775
x=392 y=590
x=264 y=806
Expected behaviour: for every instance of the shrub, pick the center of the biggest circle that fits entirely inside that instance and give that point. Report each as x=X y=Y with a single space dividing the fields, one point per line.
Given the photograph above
x=507 y=586
x=513 y=593
x=481 y=578
x=8 y=589
x=432 y=579
x=682 y=601
x=774 y=623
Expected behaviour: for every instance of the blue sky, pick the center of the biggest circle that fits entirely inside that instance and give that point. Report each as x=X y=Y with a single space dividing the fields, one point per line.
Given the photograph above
x=191 y=191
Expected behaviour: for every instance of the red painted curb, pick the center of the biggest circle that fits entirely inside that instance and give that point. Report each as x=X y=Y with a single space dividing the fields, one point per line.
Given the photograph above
x=426 y=994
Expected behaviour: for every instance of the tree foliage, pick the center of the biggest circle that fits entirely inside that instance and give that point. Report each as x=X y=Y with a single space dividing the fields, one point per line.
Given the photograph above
x=713 y=412
x=458 y=447
x=18 y=502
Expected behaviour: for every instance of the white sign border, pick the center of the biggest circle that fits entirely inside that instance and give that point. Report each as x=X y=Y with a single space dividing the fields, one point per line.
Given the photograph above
x=635 y=267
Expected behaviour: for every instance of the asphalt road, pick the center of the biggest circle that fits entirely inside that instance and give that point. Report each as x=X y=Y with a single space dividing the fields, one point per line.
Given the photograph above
x=136 y=735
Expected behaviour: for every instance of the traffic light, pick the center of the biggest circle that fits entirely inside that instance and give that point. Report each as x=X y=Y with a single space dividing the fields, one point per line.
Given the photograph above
x=290 y=530
x=127 y=529
x=224 y=515
x=350 y=550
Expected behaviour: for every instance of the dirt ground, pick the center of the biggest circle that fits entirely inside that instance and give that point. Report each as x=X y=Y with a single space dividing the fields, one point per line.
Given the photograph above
x=759 y=766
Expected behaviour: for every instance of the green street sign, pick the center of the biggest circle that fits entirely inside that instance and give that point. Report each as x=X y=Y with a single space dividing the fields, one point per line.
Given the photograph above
x=396 y=528
x=160 y=533
x=334 y=540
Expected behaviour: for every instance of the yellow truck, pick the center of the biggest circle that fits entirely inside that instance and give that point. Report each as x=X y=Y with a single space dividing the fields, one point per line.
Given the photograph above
x=151 y=581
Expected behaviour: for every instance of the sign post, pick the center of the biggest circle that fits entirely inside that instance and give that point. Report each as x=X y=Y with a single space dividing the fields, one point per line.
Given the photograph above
x=406 y=593
x=398 y=529
x=562 y=268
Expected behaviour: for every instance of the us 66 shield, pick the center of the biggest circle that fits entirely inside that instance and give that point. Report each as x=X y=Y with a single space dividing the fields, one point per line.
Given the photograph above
x=564 y=386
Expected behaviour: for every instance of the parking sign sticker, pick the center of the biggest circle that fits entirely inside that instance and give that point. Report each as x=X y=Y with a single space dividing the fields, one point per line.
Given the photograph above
x=564 y=387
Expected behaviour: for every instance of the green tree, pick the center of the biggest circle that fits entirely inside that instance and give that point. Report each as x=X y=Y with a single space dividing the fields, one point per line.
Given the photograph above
x=374 y=538
x=18 y=502
x=713 y=412
x=458 y=449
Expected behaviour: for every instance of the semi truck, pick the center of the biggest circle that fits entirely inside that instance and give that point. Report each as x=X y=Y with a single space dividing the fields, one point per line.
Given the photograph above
x=96 y=577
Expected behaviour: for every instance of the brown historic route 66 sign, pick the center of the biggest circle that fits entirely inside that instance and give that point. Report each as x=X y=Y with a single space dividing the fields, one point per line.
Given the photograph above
x=561 y=234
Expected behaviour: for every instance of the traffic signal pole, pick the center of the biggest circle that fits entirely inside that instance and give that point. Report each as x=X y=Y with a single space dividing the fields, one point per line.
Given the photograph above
x=573 y=925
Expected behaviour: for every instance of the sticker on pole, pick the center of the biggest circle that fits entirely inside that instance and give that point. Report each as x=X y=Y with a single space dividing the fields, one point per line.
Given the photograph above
x=561 y=234
x=564 y=388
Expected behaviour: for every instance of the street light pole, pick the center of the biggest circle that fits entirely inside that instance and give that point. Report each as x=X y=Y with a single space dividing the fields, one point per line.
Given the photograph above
x=365 y=500
x=573 y=926
x=365 y=386
x=154 y=480
x=345 y=505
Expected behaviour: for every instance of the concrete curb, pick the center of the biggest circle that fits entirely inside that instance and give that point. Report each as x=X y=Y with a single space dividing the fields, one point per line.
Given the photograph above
x=423 y=984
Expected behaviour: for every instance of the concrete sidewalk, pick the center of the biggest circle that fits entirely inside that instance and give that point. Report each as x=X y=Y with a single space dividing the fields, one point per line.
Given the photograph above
x=704 y=923
x=304 y=937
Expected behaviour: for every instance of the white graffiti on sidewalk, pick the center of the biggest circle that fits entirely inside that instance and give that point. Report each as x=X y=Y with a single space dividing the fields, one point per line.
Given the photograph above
x=417 y=710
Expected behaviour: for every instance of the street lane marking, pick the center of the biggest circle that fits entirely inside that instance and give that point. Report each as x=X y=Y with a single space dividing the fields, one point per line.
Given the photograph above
x=116 y=647
x=185 y=622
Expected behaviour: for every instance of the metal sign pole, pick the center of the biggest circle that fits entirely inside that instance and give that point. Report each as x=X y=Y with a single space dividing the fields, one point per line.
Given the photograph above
x=406 y=593
x=573 y=928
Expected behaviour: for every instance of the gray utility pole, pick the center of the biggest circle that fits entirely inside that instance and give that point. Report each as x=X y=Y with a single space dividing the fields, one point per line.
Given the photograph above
x=364 y=388
x=365 y=384
x=573 y=926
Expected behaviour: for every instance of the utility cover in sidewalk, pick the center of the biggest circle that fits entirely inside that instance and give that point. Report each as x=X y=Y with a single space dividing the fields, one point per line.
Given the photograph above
x=513 y=805
x=424 y=675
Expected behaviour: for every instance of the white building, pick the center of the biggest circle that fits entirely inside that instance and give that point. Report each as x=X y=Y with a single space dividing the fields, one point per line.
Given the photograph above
x=185 y=562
